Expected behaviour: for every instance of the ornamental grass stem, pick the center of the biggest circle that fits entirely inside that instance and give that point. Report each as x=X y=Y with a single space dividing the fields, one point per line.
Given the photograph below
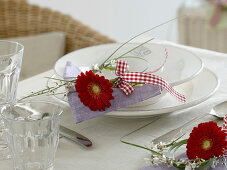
x=139 y=146
x=47 y=90
x=134 y=48
x=166 y=22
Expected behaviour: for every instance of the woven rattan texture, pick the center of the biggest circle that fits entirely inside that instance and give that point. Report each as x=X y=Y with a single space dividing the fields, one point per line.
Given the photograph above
x=19 y=18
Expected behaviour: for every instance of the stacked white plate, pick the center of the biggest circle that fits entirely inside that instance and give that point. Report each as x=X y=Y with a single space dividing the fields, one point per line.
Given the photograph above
x=183 y=70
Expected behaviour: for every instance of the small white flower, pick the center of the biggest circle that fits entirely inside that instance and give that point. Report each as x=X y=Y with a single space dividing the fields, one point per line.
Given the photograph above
x=112 y=63
x=155 y=148
x=203 y=160
x=188 y=167
x=156 y=160
x=106 y=64
x=95 y=67
x=224 y=161
x=193 y=165
x=216 y=162
x=161 y=146
x=162 y=143
x=169 y=161
x=163 y=157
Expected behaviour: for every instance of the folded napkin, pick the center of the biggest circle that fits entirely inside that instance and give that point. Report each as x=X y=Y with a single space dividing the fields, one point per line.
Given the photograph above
x=82 y=112
x=220 y=166
x=165 y=167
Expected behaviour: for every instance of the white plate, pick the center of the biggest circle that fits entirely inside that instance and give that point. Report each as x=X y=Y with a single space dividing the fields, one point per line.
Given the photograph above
x=181 y=65
x=194 y=91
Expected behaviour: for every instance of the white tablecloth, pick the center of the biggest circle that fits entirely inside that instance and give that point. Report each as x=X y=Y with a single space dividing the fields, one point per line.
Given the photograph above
x=108 y=153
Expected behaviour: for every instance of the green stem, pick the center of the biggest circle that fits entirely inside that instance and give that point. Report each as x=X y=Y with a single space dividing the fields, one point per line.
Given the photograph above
x=54 y=78
x=133 y=57
x=166 y=22
x=139 y=146
x=60 y=79
x=60 y=93
x=41 y=92
x=134 y=48
x=168 y=145
x=112 y=80
x=102 y=65
x=177 y=144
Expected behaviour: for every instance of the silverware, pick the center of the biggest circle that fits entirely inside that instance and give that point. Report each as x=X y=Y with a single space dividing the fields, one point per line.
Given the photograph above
x=173 y=133
x=74 y=136
x=63 y=131
x=219 y=111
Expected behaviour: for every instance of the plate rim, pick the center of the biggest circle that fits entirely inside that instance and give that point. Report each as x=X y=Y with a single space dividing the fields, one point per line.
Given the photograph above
x=155 y=43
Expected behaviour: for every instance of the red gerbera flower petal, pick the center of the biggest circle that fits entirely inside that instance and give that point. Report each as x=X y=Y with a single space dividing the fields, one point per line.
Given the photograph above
x=94 y=91
x=206 y=141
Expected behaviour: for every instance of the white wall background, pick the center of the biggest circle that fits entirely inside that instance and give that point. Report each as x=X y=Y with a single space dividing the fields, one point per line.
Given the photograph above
x=121 y=19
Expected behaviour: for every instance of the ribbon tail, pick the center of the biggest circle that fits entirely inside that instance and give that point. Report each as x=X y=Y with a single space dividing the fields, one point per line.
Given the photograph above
x=169 y=88
x=224 y=127
x=161 y=66
x=123 y=82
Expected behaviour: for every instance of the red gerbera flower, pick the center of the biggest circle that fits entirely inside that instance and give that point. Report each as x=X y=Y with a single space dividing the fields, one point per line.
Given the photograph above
x=206 y=141
x=94 y=91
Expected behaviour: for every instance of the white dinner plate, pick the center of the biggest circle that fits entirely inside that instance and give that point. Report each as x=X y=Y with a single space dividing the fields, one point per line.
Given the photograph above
x=181 y=65
x=194 y=91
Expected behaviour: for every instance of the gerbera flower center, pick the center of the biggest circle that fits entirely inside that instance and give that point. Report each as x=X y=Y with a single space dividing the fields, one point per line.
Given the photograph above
x=94 y=89
x=207 y=144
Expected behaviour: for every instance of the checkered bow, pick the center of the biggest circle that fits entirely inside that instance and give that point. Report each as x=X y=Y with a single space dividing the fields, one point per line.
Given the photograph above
x=125 y=78
x=224 y=128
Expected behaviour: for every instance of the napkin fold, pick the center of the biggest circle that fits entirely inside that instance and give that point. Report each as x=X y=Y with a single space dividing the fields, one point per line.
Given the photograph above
x=165 y=167
x=81 y=112
x=220 y=166
x=71 y=71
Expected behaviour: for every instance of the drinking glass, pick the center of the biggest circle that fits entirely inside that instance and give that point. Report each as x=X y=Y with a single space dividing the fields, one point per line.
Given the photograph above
x=11 y=54
x=32 y=134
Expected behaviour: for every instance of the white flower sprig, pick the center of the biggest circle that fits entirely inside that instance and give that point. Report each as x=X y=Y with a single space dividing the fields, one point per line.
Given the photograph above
x=159 y=151
x=95 y=67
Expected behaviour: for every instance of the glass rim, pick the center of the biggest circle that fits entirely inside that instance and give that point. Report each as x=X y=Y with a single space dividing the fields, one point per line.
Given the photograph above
x=13 y=42
x=40 y=101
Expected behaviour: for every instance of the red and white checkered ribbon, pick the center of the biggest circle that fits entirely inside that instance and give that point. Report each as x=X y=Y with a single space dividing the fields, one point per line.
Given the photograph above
x=224 y=128
x=125 y=78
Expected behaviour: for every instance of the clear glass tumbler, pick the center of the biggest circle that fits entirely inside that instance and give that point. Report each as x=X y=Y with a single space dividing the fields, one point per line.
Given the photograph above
x=11 y=54
x=32 y=134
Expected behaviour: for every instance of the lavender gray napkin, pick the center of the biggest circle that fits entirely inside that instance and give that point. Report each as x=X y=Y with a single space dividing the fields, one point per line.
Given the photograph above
x=164 y=167
x=220 y=166
x=82 y=112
